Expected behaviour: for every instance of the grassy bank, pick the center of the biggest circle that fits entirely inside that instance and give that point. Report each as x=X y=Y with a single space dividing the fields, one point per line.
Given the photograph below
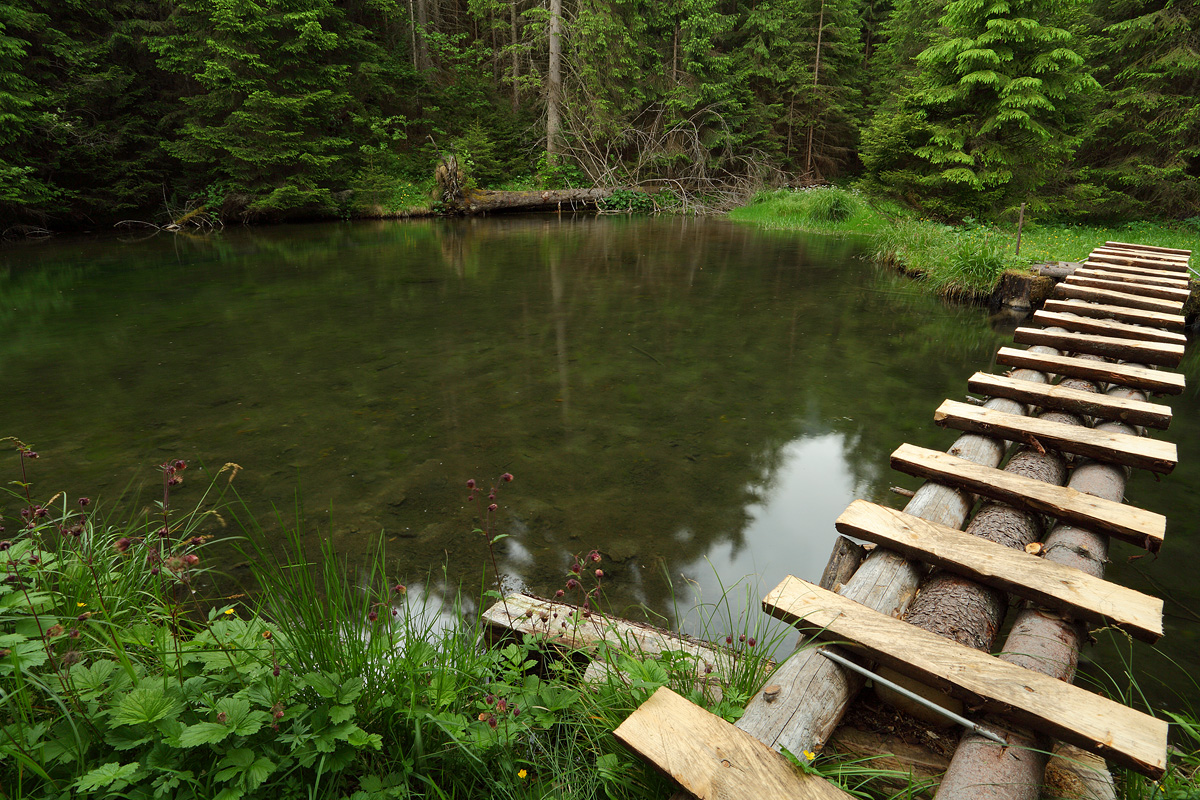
x=964 y=261
x=122 y=674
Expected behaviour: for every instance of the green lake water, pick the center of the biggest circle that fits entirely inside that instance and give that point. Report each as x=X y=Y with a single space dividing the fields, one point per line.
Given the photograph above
x=697 y=400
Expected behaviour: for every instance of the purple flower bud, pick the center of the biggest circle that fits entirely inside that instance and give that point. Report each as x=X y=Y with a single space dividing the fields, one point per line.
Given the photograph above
x=492 y=496
x=559 y=593
x=373 y=615
x=84 y=502
x=180 y=464
x=728 y=640
x=35 y=559
x=491 y=698
x=742 y=638
x=30 y=454
x=751 y=641
x=5 y=545
x=576 y=568
x=154 y=570
x=516 y=712
x=400 y=588
x=599 y=573
x=507 y=477
x=40 y=512
x=493 y=507
x=594 y=556
x=221 y=717
x=191 y=560
x=572 y=583
x=492 y=722
x=275 y=670
x=471 y=483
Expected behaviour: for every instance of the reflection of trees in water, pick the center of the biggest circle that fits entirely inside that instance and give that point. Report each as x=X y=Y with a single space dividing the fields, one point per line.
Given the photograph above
x=640 y=377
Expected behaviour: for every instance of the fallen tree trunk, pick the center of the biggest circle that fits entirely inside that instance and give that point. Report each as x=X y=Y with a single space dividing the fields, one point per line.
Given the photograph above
x=483 y=201
x=1043 y=641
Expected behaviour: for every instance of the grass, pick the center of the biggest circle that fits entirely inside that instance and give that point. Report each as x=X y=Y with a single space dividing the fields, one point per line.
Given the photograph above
x=118 y=678
x=962 y=261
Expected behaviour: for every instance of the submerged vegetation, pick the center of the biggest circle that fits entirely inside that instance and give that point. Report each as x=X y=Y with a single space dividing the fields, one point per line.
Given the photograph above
x=124 y=672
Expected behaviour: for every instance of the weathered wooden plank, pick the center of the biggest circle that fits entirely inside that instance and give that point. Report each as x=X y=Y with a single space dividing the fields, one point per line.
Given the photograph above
x=1138 y=288
x=1135 y=525
x=1118 y=298
x=1146 y=272
x=563 y=624
x=1157 y=353
x=1014 y=571
x=1153 y=248
x=711 y=758
x=1121 y=374
x=1174 y=280
x=1105 y=327
x=1175 y=251
x=1114 y=257
x=1144 y=255
x=1060 y=709
x=1063 y=398
x=1135 y=316
x=1111 y=448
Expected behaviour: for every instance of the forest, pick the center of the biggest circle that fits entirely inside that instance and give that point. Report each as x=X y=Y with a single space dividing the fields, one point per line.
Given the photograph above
x=261 y=110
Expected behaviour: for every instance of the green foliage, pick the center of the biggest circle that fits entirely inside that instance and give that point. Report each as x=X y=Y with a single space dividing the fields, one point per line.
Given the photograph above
x=629 y=200
x=818 y=209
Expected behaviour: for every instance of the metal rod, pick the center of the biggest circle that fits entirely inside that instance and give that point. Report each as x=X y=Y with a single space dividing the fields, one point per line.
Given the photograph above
x=966 y=723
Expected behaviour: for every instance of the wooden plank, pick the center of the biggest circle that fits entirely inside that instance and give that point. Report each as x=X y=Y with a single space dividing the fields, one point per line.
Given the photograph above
x=1134 y=316
x=1145 y=255
x=1014 y=571
x=1125 y=269
x=1062 y=398
x=1127 y=523
x=1118 y=298
x=1111 y=448
x=1140 y=289
x=1157 y=353
x=1065 y=711
x=523 y=613
x=1114 y=257
x=1162 y=279
x=1106 y=327
x=1152 y=248
x=712 y=759
x=1121 y=374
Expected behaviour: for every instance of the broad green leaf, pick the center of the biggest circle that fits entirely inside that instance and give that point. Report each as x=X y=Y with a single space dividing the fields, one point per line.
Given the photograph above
x=145 y=705
x=203 y=733
x=106 y=775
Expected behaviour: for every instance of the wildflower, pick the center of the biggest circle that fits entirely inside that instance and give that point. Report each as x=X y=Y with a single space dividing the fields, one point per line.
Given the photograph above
x=594 y=556
x=471 y=483
x=266 y=634
x=84 y=502
x=482 y=716
x=492 y=722
x=54 y=630
x=5 y=545
x=491 y=698
x=493 y=507
x=742 y=638
x=572 y=584
x=516 y=711
x=507 y=477
x=521 y=774
x=228 y=611
x=30 y=454
x=373 y=615
x=576 y=568
x=122 y=544
x=40 y=512
x=70 y=658
x=180 y=464
x=191 y=560
x=728 y=640
x=84 y=617
x=275 y=670
x=400 y=589
x=73 y=633
x=35 y=559
x=221 y=717
x=751 y=641
x=599 y=573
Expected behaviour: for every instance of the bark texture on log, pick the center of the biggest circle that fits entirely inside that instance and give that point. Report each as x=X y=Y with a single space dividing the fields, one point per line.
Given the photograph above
x=1041 y=641
x=478 y=201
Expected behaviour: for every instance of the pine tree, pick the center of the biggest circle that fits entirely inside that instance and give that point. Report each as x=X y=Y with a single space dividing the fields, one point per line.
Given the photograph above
x=1144 y=148
x=995 y=111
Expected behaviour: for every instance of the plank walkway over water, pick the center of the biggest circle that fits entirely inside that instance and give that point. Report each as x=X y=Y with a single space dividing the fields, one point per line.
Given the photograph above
x=1129 y=312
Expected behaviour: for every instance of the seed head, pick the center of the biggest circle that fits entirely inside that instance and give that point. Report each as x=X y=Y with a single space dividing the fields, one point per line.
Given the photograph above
x=70 y=658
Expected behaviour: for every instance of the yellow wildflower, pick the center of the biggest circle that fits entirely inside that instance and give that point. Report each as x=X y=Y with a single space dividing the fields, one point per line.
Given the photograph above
x=809 y=755
x=522 y=774
x=80 y=605
x=228 y=611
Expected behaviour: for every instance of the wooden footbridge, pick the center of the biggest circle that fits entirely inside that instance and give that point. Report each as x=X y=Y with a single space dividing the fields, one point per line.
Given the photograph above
x=1108 y=332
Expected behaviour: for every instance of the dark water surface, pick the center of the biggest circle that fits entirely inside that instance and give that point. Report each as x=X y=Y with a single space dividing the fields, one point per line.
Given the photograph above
x=697 y=400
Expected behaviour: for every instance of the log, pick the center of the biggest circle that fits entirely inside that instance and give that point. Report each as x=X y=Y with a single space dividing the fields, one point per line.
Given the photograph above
x=712 y=759
x=1044 y=642
x=480 y=201
x=1014 y=571
x=1118 y=298
x=1087 y=720
x=1157 y=353
x=1138 y=288
x=1124 y=374
x=845 y=559
x=1073 y=401
x=1134 y=525
x=814 y=690
x=1106 y=327
x=1131 y=315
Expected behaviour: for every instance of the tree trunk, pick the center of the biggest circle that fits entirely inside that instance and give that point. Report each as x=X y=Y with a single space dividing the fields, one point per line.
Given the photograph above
x=1041 y=641
x=815 y=691
x=554 y=81
x=816 y=77
x=423 y=62
x=516 y=59
x=479 y=201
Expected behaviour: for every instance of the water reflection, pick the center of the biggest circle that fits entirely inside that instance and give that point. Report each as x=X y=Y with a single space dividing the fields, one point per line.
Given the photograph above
x=696 y=399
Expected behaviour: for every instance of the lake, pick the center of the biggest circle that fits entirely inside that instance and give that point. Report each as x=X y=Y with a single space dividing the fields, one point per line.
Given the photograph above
x=695 y=399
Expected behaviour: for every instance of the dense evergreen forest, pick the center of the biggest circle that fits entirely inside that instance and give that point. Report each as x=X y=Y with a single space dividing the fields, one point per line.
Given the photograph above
x=267 y=109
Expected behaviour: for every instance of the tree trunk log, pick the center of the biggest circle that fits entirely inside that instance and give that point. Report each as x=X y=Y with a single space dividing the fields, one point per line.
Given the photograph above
x=1041 y=641
x=554 y=81
x=479 y=201
x=815 y=691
